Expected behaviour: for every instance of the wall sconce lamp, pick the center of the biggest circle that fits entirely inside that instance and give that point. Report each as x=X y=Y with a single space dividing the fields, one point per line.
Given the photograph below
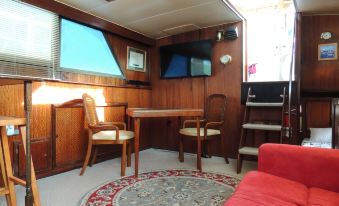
x=231 y=33
x=220 y=35
x=326 y=35
x=226 y=59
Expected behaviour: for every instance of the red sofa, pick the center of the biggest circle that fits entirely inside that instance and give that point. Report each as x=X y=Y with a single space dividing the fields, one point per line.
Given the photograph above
x=290 y=176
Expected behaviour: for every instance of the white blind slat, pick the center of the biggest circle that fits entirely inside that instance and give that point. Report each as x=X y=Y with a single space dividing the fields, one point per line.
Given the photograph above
x=28 y=39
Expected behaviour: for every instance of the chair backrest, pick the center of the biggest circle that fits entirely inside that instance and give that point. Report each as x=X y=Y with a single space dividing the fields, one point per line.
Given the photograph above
x=215 y=108
x=90 y=110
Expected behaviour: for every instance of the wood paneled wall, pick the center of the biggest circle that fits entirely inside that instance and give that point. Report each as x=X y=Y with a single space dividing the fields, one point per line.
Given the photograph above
x=46 y=93
x=192 y=92
x=318 y=75
x=319 y=80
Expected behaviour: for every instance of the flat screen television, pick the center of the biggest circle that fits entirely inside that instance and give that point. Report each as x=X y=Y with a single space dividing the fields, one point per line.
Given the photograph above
x=192 y=59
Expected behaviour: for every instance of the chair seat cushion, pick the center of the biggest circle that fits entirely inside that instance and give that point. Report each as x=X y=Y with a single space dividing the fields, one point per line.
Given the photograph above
x=262 y=188
x=319 y=196
x=193 y=132
x=111 y=135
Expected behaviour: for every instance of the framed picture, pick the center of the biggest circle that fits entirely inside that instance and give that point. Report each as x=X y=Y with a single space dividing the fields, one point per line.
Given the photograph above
x=327 y=51
x=136 y=59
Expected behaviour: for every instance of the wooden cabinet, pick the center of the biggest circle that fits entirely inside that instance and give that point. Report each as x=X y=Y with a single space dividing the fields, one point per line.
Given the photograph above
x=41 y=154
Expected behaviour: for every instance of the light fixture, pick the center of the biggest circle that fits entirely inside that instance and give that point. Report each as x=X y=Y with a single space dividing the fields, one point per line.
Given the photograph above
x=220 y=35
x=226 y=59
x=231 y=33
x=325 y=35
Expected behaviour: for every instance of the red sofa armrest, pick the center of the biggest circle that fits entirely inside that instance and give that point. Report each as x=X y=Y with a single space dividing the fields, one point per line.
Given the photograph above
x=314 y=167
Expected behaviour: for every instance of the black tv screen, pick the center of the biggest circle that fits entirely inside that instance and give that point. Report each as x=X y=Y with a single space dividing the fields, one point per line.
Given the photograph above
x=192 y=59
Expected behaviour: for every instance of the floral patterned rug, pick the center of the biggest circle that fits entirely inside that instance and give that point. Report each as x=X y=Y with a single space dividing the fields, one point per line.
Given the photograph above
x=166 y=187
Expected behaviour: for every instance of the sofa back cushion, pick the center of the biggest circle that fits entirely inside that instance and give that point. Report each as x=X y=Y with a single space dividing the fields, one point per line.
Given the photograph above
x=314 y=167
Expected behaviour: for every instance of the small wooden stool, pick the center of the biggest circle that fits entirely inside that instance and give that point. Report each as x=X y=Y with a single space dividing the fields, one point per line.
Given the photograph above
x=6 y=166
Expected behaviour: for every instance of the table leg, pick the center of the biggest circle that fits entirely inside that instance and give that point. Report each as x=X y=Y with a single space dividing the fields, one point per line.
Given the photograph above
x=136 y=144
x=28 y=109
x=198 y=145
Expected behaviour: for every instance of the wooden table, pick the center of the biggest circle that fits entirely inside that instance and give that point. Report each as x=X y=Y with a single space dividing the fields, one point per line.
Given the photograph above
x=138 y=113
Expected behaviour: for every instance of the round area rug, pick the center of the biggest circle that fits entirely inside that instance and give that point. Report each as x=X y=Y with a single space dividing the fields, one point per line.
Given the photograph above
x=166 y=187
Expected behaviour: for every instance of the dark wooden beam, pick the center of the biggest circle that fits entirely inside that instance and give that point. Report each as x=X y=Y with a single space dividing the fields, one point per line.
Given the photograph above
x=80 y=16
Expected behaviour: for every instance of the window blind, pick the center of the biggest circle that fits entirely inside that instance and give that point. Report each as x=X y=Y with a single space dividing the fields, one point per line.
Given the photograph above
x=28 y=40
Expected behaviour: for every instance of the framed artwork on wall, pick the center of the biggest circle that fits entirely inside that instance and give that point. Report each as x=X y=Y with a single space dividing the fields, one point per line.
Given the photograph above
x=136 y=59
x=327 y=51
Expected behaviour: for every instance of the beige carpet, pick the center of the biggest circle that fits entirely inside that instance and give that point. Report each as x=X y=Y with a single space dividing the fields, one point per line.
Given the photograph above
x=68 y=188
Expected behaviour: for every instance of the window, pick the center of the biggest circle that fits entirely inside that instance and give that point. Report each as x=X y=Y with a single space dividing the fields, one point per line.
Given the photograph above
x=28 y=39
x=85 y=49
x=270 y=35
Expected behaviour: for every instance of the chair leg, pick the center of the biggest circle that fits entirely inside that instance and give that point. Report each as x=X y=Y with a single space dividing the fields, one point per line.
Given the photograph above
x=88 y=154
x=94 y=156
x=8 y=166
x=181 y=149
x=123 y=159
x=207 y=148
x=129 y=152
x=223 y=151
x=239 y=163
x=3 y=174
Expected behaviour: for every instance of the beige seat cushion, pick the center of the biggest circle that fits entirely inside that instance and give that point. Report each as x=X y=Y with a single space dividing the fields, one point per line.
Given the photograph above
x=111 y=135
x=193 y=132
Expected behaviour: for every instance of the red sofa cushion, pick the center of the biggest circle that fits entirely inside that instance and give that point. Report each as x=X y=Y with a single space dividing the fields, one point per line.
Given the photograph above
x=313 y=167
x=255 y=199
x=320 y=197
x=259 y=188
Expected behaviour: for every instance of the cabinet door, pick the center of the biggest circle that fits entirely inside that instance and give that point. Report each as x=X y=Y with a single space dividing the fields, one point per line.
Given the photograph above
x=41 y=155
x=71 y=137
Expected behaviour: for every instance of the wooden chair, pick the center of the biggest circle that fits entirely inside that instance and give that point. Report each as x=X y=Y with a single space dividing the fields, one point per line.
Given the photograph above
x=103 y=133
x=211 y=125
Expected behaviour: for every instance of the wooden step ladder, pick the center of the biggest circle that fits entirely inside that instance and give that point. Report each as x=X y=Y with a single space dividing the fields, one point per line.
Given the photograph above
x=247 y=125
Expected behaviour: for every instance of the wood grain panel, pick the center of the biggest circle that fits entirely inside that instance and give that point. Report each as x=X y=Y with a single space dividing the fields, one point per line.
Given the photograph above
x=316 y=113
x=119 y=46
x=318 y=75
x=70 y=123
x=227 y=79
x=71 y=139
x=192 y=92
x=40 y=154
x=173 y=93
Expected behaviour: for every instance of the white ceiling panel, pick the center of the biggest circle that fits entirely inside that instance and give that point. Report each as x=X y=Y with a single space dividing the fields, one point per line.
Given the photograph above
x=84 y=5
x=200 y=16
x=153 y=17
x=128 y=11
x=181 y=29
x=318 y=6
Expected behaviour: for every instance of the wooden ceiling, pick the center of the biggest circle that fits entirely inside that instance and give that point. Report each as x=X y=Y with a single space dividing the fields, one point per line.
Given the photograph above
x=159 y=18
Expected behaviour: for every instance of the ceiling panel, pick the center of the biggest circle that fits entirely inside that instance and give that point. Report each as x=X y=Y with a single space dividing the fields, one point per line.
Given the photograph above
x=181 y=29
x=200 y=16
x=128 y=11
x=152 y=17
x=318 y=6
x=84 y=5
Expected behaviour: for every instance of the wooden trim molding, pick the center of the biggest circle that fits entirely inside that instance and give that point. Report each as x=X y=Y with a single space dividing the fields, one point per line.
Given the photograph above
x=80 y=16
